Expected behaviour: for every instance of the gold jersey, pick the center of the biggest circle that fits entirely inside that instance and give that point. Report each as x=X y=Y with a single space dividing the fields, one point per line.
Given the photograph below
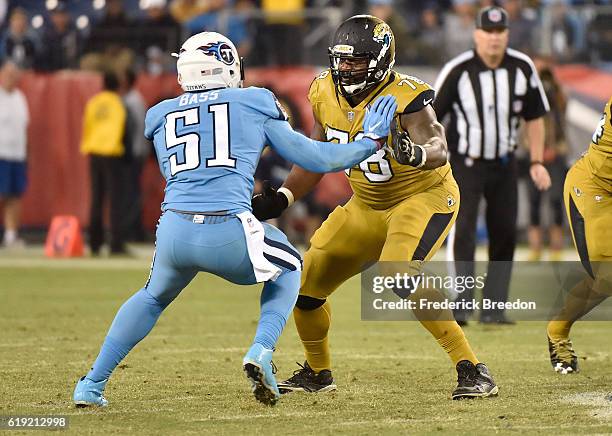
x=379 y=181
x=600 y=150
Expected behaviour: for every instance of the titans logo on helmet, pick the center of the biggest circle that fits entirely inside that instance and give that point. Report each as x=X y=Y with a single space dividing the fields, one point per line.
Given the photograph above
x=220 y=50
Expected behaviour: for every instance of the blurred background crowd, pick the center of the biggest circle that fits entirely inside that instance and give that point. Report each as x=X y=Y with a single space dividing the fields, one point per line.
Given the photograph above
x=136 y=38
x=49 y=35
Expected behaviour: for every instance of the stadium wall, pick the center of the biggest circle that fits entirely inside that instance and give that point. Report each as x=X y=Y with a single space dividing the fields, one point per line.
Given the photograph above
x=59 y=174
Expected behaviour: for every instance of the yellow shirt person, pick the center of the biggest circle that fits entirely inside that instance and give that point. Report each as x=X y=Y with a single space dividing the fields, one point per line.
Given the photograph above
x=104 y=125
x=106 y=140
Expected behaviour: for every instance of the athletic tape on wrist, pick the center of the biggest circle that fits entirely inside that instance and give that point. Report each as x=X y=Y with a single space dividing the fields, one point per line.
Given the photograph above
x=287 y=193
x=423 y=155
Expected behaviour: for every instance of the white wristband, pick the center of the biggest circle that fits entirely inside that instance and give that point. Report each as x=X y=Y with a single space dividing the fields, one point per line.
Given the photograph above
x=423 y=155
x=287 y=193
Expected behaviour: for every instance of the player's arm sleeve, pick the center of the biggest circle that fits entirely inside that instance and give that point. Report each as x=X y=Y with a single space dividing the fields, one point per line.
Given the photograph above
x=270 y=106
x=425 y=98
x=316 y=156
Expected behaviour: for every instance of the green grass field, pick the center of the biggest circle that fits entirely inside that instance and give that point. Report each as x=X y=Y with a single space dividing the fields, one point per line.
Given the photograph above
x=186 y=377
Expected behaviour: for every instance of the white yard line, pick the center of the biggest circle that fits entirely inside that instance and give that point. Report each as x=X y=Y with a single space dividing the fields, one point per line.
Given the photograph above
x=598 y=402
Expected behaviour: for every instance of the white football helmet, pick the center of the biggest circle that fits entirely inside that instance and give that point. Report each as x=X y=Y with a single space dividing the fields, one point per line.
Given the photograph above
x=208 y=60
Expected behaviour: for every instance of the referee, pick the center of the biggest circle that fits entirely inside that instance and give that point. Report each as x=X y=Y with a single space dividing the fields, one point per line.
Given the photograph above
x=486 y=91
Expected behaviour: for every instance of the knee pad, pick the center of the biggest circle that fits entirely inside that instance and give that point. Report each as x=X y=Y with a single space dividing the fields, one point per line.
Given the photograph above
x=305 y=302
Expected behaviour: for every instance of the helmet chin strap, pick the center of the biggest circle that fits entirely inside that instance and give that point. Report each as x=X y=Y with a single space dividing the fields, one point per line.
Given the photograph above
x=354 y=89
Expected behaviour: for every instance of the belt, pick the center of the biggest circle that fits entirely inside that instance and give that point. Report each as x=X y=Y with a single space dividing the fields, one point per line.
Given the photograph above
x=216 y=217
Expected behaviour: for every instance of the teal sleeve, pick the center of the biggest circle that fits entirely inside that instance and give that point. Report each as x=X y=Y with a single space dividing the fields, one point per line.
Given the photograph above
x=316 y=156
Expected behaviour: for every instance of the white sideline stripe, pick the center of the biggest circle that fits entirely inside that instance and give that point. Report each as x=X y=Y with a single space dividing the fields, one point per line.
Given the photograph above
x=595 y=400
x=258 y=416
x=318 y=414
x=284 y=255
x=582 y=116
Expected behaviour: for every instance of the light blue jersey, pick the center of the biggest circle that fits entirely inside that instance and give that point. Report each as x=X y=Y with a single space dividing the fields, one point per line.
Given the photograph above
x=208 y=145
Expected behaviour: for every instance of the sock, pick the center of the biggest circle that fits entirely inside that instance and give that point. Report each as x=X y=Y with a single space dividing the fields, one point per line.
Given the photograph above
x=578 y=302
x=442 y=325
x=450 y=337
x=133 y=322
x=277 y=301
x=111 y=353
x=313 y=327
x=10 y=236
x=558 y=330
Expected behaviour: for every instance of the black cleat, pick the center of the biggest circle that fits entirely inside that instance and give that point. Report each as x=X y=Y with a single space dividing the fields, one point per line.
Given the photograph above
x=262 y=393
x=562 y=356
x=474 y=381
x=306 y=380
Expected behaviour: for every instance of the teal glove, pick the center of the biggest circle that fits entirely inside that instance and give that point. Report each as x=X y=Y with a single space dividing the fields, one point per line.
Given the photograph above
x=378 y=118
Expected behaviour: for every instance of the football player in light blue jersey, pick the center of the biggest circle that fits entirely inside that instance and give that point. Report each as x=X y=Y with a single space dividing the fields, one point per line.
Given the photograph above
x=208 y=142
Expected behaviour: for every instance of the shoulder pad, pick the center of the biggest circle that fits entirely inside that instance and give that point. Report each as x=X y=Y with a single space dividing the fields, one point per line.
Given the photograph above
x=266 y=102
x=412 y=93
x=320 y=84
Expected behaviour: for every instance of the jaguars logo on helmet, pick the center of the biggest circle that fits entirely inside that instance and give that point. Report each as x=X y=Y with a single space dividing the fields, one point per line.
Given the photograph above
x=367 y=45
x=382 y=33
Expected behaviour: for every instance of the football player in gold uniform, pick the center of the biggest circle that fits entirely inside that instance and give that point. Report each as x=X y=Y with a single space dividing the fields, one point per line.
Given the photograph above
x=405 y=200
x=588 y=203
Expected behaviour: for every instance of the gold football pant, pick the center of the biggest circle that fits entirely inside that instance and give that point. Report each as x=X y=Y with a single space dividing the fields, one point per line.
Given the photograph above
x=353 y=237
x=589 y=211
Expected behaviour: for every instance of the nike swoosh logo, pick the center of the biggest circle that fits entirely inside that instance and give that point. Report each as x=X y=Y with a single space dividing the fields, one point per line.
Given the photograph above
x=426 y=102
x=375 y=125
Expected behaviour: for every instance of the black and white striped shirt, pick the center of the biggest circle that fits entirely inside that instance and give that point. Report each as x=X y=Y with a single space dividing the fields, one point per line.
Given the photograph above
x=486 y=105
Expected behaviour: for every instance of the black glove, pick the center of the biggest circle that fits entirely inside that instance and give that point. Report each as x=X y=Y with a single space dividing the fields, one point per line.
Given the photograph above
x=406 y=152
x=269 y=204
